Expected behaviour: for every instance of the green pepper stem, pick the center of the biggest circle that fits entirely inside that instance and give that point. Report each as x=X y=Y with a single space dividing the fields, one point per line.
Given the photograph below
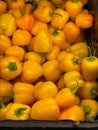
x=93 y=91
x=19 y=111
x=90 y=58
x=74 y=1
x=86 y=109
x=12 y=66
x=10 y=95
x=55 y=32
x=51 y=13
x=2 y=105
x=21 y=11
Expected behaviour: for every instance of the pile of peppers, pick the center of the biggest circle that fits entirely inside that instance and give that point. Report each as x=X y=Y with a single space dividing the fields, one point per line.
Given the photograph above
x=47 y=70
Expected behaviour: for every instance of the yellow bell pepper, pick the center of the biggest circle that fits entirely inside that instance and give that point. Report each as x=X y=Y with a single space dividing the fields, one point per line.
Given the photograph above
x=7 y=24
x=32 y=70
x=90 y=108
x=23 y=93
x=5 y=42
x=10 y=68
x=71 y=77
x=5 y=88
x=18 y=111
x=45 y=109
x=46 y=44
x=45 y=89
x=51 y=70
x=3 y=110
x=80 y=49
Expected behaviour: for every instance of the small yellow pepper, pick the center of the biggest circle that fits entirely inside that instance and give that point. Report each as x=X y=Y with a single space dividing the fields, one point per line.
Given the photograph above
x=3 y=7
x=15 y=51
x=45 y=109
x=7 y=24
x=45 y=89
x=42 y=42
x=71 y=77
x=51 y=70
x=10 y=68
x=23 y=93
x=32 y=70
x=5 y=42
x=80 y=49
x=18 y=111
x=5 y=88
x=90 y=108
x=90 y=90
x=4 y=109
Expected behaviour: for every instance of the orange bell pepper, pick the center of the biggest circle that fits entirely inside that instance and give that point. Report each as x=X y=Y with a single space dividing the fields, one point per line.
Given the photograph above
x=5 y=88
x=45 y=109
x=71 y=29
x=74 y=113
x=84 y=20
x=23 y=93
x=66 y=97
x=21 y=37
x=57 y=1
x=3 y=7
x=45 y=90
x=25 y=22
x=73 y=7
x=70 y=62
x=10 y=68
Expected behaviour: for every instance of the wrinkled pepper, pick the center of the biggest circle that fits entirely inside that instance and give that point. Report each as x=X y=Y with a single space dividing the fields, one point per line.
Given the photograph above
x=7 y=24
x=10 y=68
x=45 y=109
x=18 y=111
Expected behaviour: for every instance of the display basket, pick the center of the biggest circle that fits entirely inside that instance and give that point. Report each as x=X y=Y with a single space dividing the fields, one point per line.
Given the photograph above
x=92 y=41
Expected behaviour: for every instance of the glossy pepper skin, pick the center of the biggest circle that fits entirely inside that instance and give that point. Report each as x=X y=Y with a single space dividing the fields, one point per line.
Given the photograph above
x=23 y=93
x=90 y=108
x=32 y=70
x=10 y=68
x=73 y=7
x=74 y=113
x=66 y=97
x=44 y=90
x=70 y=62
x=71 y=77
x=5 y=88
x=3 y=110
x=45 y=109
x=7 y=28
x=18 y=111
x=89 y=68
x=25 y=22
